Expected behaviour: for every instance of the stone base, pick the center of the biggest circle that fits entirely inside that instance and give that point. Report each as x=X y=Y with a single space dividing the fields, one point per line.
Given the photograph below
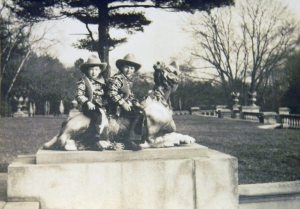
x=2 y=204
x=253 y=109
x=22 y=205
x=269 y=117
x=284 y=111
x=275 y=195
x=20 y=114
x=199 y=178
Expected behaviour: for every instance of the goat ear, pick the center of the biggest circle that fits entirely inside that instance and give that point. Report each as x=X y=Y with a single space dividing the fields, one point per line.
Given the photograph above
x=174 y=65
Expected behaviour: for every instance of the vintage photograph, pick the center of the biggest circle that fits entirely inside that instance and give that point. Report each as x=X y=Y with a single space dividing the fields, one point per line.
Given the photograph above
x=150 y=104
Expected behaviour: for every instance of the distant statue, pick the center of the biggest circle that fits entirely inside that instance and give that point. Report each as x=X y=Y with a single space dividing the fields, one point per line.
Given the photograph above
x=30 y=111
x=61 y=108
x=47 y=107
x=22 y=106
x=34 y=108
x=158 y=126
x=252 y=98
x=20 y=102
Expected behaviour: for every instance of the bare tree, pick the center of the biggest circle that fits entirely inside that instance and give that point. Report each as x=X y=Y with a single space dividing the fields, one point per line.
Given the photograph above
x=246 y=43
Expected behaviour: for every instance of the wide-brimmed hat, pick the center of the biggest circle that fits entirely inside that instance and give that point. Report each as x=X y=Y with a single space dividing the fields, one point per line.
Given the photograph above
x=129 y=59
x=92 y=60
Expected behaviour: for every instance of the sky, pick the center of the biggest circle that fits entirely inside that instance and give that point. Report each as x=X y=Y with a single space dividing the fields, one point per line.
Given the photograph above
x=163 y=39
x=159 y=41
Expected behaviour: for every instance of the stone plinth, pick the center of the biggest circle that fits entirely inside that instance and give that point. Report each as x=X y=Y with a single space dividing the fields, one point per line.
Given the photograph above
x=20 y=114
x=22 y=205
x=275 y=195
x=184 y=152
x=252 y=109
x=270 y=117
x=250 y=112
x=235 y=111
x=284 y=111
x=198 y=178
x=194 y=110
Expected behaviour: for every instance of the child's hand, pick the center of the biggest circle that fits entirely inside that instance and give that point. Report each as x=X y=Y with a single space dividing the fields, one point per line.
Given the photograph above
x=90 y=105
x=126 y=106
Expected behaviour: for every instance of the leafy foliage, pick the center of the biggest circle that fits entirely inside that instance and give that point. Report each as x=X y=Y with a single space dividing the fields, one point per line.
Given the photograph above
x=45 y=78
x=195 y=93
x=291 y=97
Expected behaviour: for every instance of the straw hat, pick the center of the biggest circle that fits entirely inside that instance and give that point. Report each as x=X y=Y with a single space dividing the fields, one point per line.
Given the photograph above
x=129 y=59
x=92 y=61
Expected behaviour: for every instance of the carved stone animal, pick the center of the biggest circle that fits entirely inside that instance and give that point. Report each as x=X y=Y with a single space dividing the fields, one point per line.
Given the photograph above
x=159 y=126
x=71 y=129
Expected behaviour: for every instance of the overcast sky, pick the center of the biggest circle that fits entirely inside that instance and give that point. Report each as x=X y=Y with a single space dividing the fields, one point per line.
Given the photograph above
x=161 y=40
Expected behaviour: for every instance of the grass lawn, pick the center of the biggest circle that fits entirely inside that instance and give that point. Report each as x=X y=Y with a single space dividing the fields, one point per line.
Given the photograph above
x=20 y=136
x=263 y=155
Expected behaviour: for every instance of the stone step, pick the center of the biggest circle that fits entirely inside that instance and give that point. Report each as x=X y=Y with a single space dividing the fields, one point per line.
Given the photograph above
x=2 y=204
x=22 y=205
x=3 y=187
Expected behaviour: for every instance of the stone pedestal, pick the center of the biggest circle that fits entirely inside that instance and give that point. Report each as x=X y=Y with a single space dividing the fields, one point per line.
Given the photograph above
x=252 y=109
x=250 y=112
x=235 y=111
x=191 y=177
x=284 y=111
x=20 y=114
x=270 y=117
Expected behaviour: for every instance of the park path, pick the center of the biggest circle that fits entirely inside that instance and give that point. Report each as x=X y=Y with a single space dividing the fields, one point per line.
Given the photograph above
x=3 y=185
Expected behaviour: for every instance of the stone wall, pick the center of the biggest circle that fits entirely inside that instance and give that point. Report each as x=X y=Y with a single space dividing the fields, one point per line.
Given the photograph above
x=280 y=195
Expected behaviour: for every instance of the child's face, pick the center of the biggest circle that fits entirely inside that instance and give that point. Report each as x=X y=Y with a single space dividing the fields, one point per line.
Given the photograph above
x=94 y=72
x=128 y=70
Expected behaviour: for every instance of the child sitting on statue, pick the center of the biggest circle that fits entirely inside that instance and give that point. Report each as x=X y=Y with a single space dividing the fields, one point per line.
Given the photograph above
x=121 y=99
x=90 y=92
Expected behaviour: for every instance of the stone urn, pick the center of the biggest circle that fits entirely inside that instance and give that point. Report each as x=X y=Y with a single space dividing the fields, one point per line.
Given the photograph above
x=235 y=106
x=252 y=98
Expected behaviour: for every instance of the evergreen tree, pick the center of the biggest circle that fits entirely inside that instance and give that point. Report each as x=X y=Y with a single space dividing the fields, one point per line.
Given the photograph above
x=106 y=14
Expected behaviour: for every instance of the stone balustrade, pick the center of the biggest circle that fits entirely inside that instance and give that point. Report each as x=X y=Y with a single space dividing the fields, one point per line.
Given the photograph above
x=290 y=121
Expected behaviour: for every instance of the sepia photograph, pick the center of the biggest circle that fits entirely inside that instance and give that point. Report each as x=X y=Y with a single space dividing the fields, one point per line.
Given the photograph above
x=150 y=104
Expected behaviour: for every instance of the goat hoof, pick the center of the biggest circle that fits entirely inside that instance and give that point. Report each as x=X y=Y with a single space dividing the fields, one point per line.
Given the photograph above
x=145 y=145
x=70 y=146
x=99 y=147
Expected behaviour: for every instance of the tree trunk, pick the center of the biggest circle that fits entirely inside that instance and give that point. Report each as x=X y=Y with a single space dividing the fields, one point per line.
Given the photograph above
x=103 y=31
x=1 y=103
x=103 y=35
x=17 y=73
x=253 y=81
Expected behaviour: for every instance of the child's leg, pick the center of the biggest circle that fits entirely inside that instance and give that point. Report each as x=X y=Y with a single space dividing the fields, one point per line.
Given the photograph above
x=94 y=115
x=101 y=123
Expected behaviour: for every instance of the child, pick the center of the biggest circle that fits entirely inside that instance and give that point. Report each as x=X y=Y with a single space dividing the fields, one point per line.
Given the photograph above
x=122 y=101
x=90 y=91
